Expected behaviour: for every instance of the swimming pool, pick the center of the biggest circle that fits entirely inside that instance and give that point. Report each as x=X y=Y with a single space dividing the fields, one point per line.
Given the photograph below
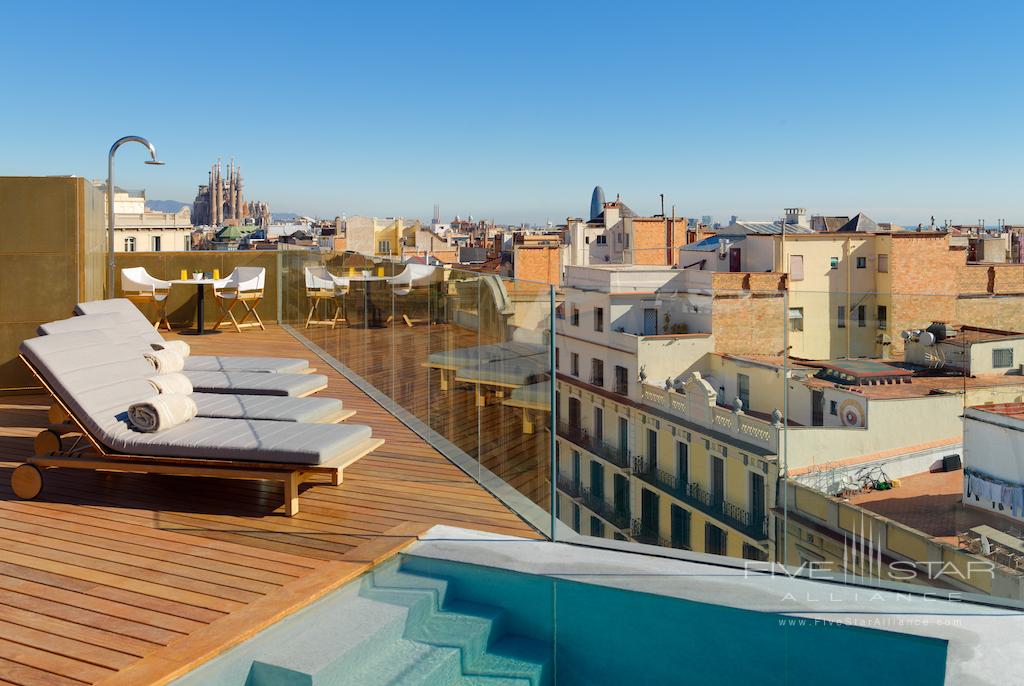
x=421 y=619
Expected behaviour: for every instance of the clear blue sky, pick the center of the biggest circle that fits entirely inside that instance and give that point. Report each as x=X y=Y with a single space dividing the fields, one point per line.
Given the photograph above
x=515 y=110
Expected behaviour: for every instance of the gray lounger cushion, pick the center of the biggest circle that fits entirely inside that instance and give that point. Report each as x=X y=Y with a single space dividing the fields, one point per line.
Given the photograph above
x=268 y=407
x=256 y=383
x=123 y=317
x=235 y=380
x=99 y=380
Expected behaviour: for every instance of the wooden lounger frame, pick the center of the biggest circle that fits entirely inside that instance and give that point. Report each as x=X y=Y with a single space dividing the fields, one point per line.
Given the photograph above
x=26 y=480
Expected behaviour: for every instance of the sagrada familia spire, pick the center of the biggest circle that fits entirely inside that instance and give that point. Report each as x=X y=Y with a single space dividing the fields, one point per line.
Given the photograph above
x=220 y=201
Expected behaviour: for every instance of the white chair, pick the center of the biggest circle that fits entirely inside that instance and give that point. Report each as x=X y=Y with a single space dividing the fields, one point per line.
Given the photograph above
x=322 y=285
x=143 y=289
x=243 y=285
x=412 y=277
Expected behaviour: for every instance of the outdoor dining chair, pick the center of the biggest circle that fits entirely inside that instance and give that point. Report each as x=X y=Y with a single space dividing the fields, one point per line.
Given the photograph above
x=409 y=279
x=147 y=291
x=322 y=285
x=243 y=285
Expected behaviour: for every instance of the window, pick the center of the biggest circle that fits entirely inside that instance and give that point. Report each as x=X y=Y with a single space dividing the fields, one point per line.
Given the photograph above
x=883 y=263
x=796 y=267
x=627 y=240
x=751 y=552
x=384 y=247
x=862 y=316
x=714 y=539
x=682 y=463
x=154 y=243
x=560 y=311
x=587 y=240
x=188 y=241
x=597 y=479
x=618 y=238
x=833 y=263
x=601 y=240
x=796 y=319
x=883 y=317
x=596 y=527
x=556 y=357
x=576 y=517
x=598 y=319
x=598 y=423
x=862 y=262
x=743 y=390
x=1002 y=358
x=574 y=316
x=597 y=372
x=621 y=380
x=574 y=364
x=841 y=316
x=833 y=408
x=652 y=449
x=129 y=244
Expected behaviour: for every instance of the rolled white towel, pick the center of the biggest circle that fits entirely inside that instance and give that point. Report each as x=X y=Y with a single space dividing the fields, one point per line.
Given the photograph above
x=165 y=361
x=171 y=383
x=180 y=347
x=161 y=412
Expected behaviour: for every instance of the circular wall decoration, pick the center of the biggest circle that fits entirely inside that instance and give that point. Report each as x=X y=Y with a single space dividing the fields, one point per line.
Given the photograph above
x=852 y=413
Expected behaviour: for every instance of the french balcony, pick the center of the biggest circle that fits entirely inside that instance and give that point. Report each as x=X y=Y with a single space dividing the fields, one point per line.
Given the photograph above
x=606 y=451
x=617 y=516
x=702 y=500
x=569 y=486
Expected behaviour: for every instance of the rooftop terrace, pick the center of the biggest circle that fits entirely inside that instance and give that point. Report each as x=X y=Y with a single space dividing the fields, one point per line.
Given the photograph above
x=118 y=578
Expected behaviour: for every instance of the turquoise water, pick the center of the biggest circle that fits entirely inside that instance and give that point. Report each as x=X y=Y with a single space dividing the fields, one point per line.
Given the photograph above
x=419 y=620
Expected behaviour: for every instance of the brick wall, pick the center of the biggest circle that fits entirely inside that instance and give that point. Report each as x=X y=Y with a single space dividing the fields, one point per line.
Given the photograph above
x=541 y=263
x=748 y=325
x=933 y=282
x=648 y=242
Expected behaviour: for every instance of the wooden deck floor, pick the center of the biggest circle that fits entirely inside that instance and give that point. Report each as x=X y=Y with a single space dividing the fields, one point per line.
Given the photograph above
x=132 y=579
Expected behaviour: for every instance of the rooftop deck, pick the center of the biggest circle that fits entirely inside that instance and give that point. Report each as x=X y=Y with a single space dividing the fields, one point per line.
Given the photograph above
x=113 y=578
x=932 y=502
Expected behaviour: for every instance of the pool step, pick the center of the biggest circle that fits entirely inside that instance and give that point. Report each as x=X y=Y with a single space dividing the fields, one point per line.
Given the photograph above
x=487 y=654
x=408 y=629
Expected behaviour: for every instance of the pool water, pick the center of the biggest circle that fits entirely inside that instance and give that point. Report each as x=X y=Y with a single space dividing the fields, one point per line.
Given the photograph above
x=421 y=620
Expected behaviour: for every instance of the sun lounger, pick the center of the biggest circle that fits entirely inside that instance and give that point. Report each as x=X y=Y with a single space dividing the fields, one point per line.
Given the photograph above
x=133 y=323
x=95 y=382
x=244 y=382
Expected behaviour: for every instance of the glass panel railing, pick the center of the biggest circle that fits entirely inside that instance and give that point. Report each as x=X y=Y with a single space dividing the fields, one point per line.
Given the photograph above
x=461 y=357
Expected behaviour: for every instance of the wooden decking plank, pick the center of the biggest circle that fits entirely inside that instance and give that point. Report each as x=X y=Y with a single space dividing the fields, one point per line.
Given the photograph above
x=172 y=568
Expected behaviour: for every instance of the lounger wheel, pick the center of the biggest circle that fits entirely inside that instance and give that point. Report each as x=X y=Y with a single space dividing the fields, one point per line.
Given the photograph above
x=27 y=481
x=47 y=442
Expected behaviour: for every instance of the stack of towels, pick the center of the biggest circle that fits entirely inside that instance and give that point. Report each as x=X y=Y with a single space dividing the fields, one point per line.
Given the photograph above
x=172 y=405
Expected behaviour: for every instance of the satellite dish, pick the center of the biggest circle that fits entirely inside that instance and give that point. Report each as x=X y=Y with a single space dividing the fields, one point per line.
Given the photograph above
x=926 y=338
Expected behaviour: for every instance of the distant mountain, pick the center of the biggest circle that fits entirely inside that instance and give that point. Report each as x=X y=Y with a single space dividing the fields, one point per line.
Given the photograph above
x=284 y=216
x=166 y=205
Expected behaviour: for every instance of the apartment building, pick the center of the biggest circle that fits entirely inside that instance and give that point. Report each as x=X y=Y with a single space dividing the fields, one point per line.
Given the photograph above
x=853 y=291
x=618 y=235
x=138 y=229
x=665 y=437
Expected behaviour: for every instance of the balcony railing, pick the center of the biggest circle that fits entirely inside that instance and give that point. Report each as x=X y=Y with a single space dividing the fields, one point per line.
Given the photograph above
x=644 y=532
x=702 y=499
x=606 y=451
x=617 y=516
x=569 y=486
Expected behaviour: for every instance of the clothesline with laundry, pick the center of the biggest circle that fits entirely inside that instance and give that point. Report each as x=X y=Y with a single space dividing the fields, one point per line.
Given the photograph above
x=983 y=487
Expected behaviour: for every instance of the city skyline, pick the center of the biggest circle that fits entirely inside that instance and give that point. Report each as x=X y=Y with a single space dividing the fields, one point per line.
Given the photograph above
x=519 y=120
